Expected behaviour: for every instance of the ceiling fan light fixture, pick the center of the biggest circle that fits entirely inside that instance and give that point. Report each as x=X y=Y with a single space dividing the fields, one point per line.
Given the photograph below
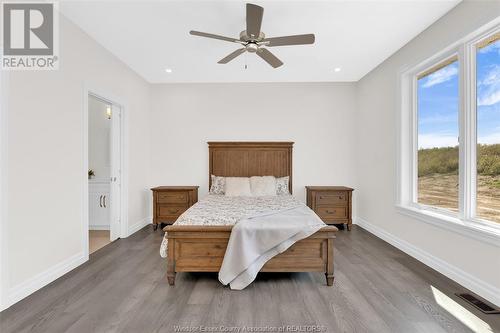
x=252 y=47
x=337 y=69
x=253 y=39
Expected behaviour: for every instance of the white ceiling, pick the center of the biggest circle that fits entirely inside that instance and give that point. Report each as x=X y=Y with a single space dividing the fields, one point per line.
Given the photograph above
x=151 y=36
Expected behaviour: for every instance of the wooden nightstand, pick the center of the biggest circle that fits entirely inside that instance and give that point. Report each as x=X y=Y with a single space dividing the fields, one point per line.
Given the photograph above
x=332 y=203
x=169 y=202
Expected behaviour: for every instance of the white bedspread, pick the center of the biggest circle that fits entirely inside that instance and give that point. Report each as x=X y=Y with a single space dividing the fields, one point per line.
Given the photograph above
x=263 y=228
x=222 y=210
x=257 y=239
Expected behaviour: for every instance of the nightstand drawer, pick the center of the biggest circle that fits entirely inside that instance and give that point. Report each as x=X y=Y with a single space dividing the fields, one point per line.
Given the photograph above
x=171 y=211
x=173 y=197
x=333 y=204
x=332 y=212
x=331 y=198
x=169 y=202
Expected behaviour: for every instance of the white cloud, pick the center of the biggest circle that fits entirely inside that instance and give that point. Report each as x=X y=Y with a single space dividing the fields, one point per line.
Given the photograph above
x=489 y=88
x=436 y=141
x=492 y=47
x=426 y=141
x=438 y=119
x=489 y=98
x=490 y=139
x=442 y=75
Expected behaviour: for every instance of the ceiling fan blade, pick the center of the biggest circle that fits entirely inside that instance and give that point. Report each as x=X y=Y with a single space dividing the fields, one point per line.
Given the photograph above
x=290 y=40
x=231 y=56
x=254 y=20
x=269 y=57
x=205 y=34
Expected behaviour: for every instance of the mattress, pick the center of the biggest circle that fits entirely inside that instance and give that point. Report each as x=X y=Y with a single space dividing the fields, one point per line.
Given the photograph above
x=220 y=210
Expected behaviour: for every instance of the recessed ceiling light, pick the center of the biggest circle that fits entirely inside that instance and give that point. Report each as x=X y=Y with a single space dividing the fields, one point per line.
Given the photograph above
x=337 y=69
x=168 y=70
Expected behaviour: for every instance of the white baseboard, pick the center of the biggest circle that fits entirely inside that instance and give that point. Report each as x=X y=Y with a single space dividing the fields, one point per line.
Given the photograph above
x=98 y=227
x=139 y=225
x=478 y=286
x=24 y=289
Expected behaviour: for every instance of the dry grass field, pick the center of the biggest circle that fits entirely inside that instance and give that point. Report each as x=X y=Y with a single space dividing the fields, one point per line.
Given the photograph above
x=441 y=190
x=438 y=179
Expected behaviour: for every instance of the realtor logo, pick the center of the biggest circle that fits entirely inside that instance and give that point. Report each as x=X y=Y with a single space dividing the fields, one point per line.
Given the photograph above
x=29 y=35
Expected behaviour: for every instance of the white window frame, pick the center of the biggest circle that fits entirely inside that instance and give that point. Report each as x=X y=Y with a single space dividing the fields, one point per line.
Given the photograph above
x=465 y=221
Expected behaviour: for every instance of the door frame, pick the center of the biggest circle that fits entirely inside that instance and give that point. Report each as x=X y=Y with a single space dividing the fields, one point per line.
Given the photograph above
x=124 y=143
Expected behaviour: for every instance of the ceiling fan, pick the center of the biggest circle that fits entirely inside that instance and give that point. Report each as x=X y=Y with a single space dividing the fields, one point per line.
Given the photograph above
x=253 y=40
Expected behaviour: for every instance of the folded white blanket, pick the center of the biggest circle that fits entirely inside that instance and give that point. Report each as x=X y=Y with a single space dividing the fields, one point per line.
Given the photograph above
x=257 y=239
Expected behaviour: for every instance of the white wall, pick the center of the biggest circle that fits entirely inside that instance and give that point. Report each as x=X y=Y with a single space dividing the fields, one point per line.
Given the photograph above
x=45 y=159
x=344 y=134
x=318 y=117
x=474 y=263
x=99 y=138
x=3 y=181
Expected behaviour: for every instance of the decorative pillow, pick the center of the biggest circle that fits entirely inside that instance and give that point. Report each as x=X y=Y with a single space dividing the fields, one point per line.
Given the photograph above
x=265 y=185
x=282 y=185
x=238 y=187
x=218 y=185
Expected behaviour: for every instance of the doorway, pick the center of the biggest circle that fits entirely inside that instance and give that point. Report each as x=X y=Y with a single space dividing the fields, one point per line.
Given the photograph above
x=104 y=156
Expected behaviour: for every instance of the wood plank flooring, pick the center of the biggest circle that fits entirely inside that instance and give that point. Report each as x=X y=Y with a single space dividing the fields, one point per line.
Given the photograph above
x=123 y=288
x=98 y=239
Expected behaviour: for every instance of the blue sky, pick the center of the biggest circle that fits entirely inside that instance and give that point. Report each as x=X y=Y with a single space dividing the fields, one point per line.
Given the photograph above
x=438 y=102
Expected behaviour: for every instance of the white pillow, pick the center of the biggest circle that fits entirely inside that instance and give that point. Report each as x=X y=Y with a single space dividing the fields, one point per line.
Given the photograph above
x=238 y=187
x=265 y=185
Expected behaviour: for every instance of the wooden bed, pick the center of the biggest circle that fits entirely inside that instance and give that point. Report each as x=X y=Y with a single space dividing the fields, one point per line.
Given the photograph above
x=201 y=248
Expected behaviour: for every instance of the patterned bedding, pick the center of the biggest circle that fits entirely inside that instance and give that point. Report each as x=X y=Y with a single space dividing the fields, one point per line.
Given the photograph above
x=219 y=210
x=223 y=210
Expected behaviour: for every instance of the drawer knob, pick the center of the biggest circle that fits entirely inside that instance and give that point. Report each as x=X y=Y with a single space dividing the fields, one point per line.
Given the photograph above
x=330 y=211
x=173 y=211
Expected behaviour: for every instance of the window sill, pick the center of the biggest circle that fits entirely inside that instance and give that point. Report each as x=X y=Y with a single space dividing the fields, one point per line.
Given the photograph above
x=477 y=230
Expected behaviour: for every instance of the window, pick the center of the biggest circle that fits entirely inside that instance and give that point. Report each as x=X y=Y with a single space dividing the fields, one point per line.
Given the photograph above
x=437 y=111
x=488 y=128
x=449 y=149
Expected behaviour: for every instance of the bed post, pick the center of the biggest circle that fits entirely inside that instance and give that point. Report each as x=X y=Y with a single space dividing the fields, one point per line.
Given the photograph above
x=329 y=263
x=171 y=261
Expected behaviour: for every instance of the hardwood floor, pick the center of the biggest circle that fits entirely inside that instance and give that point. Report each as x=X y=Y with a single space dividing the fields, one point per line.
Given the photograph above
x=98 y=239
x=123 y=288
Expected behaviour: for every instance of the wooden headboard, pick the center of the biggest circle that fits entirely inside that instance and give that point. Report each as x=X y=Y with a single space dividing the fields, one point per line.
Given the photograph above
x=246 y=159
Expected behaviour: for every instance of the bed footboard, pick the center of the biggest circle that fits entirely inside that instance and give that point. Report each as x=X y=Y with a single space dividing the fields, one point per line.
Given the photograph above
x=202 y=248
